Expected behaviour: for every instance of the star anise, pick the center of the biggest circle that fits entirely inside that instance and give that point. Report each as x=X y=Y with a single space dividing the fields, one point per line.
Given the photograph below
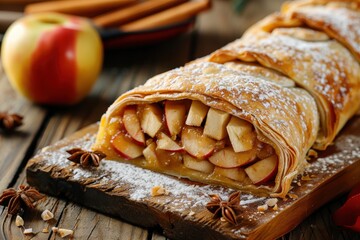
x=9 y=122
x=85 y=158
x=16 y=199
x=225 y=209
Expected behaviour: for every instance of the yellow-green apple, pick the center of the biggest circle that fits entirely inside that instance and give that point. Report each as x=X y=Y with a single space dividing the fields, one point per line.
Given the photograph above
x=52 y=58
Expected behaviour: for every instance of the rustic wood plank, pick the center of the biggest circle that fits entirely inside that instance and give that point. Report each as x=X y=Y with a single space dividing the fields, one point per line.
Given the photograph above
x=331 y=175
x=156 y=236
x=21 y=140
x=88 y=224
x=222 y=25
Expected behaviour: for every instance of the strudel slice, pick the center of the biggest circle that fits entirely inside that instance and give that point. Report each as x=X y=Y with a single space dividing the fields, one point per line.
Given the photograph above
x=213 y=124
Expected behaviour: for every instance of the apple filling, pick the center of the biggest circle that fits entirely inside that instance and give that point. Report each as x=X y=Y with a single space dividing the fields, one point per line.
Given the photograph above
x=188 y=137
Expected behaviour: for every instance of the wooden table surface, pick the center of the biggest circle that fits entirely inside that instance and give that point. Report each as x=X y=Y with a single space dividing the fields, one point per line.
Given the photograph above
x=124 y=69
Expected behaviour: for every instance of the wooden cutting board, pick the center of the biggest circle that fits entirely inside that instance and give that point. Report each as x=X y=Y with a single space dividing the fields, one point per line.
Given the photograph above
x=123 y=191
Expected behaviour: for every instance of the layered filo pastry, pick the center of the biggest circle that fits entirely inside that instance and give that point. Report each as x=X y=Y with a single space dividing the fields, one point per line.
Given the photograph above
x=212 y=124
x=245 y=116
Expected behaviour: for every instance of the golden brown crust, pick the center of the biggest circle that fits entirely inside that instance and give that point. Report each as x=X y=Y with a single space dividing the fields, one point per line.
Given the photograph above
x=339 y=19
x=325 y=68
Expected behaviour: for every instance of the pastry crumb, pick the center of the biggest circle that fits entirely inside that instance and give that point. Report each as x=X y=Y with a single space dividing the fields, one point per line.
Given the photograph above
x=19 y=221
x=28 y=231
x=47 y=215
x=191 y=213
x=306 y=178
x=275 y=208
x=271 y=202
x=158 y=191
x=262 y=208
x=63 y=232
x=45 y=230
x=293 y=196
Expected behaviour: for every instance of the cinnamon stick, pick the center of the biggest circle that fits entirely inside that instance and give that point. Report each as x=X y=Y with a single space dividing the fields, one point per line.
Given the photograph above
x=169 y=16
x=77 y=7
x=121 y=16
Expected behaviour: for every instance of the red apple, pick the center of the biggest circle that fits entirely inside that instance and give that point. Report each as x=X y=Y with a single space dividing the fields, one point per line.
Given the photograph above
x=227 y=158
x=263 y=170
x=197 y=164
x=52 y=58
x=196 y=143
x=125 y=147
x=215 y=125
x=166 y=143
x=132 y=125
x=175 y=116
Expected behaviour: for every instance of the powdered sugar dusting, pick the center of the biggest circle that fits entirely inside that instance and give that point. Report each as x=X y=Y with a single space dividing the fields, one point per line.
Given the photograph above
x=342 y=21
x=328 y=63
x=262 y=100
x=140 y=180
x=185 y=197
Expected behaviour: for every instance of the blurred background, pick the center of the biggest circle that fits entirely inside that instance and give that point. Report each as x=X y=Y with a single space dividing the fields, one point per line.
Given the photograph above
x=115 y=19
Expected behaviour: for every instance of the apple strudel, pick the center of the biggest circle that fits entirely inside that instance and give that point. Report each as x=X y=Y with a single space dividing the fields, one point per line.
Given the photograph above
x=213 y=124
x=246 y=115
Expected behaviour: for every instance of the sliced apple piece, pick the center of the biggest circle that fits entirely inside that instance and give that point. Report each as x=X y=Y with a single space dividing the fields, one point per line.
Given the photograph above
x=166 y=143
x=132 y=125
x=150 y=153
x=227 y=158
x=215 y=126
x=263 y=170
x=150 y=119
x=197 y=164
x=175 y=112
x=125 y=146
x=197 y=114
x=237 y=174
x=196 y=143
x=241 y=135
